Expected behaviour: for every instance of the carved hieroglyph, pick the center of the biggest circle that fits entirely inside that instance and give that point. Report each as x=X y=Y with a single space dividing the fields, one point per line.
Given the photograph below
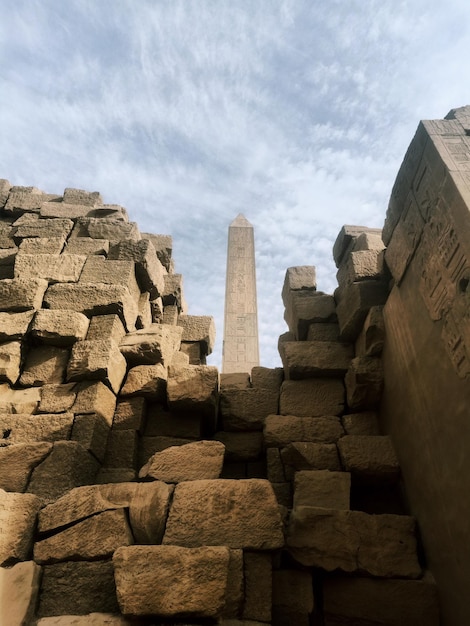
x=240 y=350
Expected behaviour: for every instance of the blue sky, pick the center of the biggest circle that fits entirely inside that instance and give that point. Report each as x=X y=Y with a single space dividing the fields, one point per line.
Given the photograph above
x=296 y=113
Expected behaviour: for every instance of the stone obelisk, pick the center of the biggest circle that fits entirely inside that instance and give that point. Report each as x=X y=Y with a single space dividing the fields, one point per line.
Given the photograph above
x=240 y=348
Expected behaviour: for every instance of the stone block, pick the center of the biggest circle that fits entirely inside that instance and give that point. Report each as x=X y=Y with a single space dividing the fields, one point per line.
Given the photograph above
x=148 y=346
x=97 y=360
x=42 y=228
x=364 y=383
x=42 y=245
x=93 y=538
x=304 y=455
x=319 y=331
x=258 y=586
x=26 y=199
x=151 y=445
x=130 y=414
x=371 y=239
x=91 y=619
x=371 y=460
x=371 y=339
x=99 y=299
x=163 y=245
x=361 y=265
x=348 y=601
x=247 y=409
x=4 y=191
x=148 y=381
x=404 y=241
x=347 y=241
x=14 y=325
x=305 y=308
x=161 y=422
x=91 y=431
x=158 y=314
x=144 y=317
x=235 y=585
x=235 y=380
x=18 y=461
x=322 y=488
x=78 y=588
x=149 y=271
x=225 y=512
x=298 y=278
x=365 y=423
x=283 y=493
x=241 y=446
x=293 y=600
x=19 y=400
x=200 y=328
x=87 y=246
x=193 y=461
x=18 y=512
x=106 y=327
x=80 y=196
x=95 y=398
x=115 y=475
x=68 y=465
x=59 y=328
x=281 y=430
x=55 y=268
x=44 y=365
x=121 y=449
x=25 y=428
x=354 y=302
x=311 y=359
x=194 y=390
x=194 y=352
x=20 y=587
x=149 y=581
x=113 y=230
x=172 y=294
x=267 y=378
x=352 y=541
x=274 y=466
x=10 y=361
x=98 y=269
x=312 y=397
x=19 y=294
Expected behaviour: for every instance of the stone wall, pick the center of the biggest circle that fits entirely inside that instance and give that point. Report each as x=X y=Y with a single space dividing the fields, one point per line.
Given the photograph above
x=139 y=486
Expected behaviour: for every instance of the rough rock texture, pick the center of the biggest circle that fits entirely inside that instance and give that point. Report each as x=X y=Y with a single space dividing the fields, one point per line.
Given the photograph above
x=154 y=344
x=18 y=461
x=20 y=586
x=18 y=513
x=320 y=396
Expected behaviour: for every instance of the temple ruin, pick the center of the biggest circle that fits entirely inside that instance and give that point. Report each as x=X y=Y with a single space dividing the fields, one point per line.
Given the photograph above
x=139 y=486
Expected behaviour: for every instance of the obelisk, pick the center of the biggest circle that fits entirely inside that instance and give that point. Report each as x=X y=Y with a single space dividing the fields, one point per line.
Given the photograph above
x=240 y=351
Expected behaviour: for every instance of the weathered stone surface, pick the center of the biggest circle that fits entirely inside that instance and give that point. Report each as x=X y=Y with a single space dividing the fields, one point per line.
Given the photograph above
x=91 y=619
x=315 y=397
x=352 y=238
x=364 y=383
x=371 y=339
x=365 y=423
x=235 y=585
x=20 y=587
x=292 y=597
x=78 y=588
x=115 y=475
x=19 y=400
x=274 y=466
x=380 y=545
x=95 y=398
x=31 y=428
x=369 y=459
x=267 y=378
x=149 y=271
x=225 y=512
x=97 y=360
x=80 y=196
x=59 y=328
x=155 y=344
x=130 y=414
x=163 y=245
x=55 y=268
x=151 y=445
x=10 y=361
x=18 y=513
x=351 y=601
x=361 y=265
x=95 y=537
x=105 y=228
x=200 y=328
x=149 y=581
x=192 y=350
x=302 y=277
x=234 y=380
x=193 y=461
x=148 y=381
x=44 y=365
x=44 y=228
x=323 y=332
x=106 y=327
x=305 y=308
x=98 y=269
x=7 y=258
x=194 y=390
x=68 y=465
x=26 y=199
x=42 y=245
x=14 y=325
x=18 y=461
x=144 y=318
x=281 y=430
x=322 y=488
x=241 y=446
x=247 y=409
x=87 y=246
x=354 y=302
x=161 y=422
x=91 y=431
x=99 y=299
x=172 y=294
x=19 y=294
x=310 y=359
x=258 y=586
x=121 y=449
x=302 y=455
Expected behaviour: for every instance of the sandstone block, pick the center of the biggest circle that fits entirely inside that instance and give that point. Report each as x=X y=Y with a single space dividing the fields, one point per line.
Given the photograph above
x=44 y=365
x=310 y=359
x=78 y=588
x=354 y=302
x=369 y=459
x=121 y=449
x=161 y=422
x=163 y=245
x=113 y=230
x=235 y=380
x=80 y=196
x=352 y=541
x=20 y=587
x=10 y=361
x=66 y=210
x=108 y=475
x=130 y=414
x=225 y=512
x=283 y=493
x=42 y=245
x=258 y=586
x=14 y=325
x=148 y=346
x=148 y=381
x=26 y=199
x=7 y=258
x=87 y=246
x=235 y=585
x=241 y=446
x=319 y=331
x=365 y=423
x=95 y=537
x=106 y=327
x=193 y=461
x=19 y=400
x=95 y=398
x=4 y=191
x=158 y=314
x=322 y=488
x=312 y=397
x=292 y=597
x=302 y=455
x=21 y=428
x=19 y=294
x=361 y=265
x=305 y=308
x=247 y=409
x=149 y=581
x=55 y=268
x=92 y=432
x=194 y=390
x=18 y=461
x=372 y=336
x=151 y=445
x=352 y=238
x=298 y=278
x=172 y=294
x=350 y=601
x=59 y=228
x=281 y=430
x=267 y=378
x=97 y=360
x=192 y=349
x=99 y=299
x=59 y=328
x=364 y=383
x=18 y=512
x=274 y=466
x=200 y=328
x=144 y=317
x=149 y=271
x=91 y=619
x=98 y=269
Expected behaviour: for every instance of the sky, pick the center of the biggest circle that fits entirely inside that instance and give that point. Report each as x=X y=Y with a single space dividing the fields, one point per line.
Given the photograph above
x=295 y=113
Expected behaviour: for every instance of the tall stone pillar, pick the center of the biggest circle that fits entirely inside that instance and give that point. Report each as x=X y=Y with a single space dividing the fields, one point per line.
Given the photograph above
x=240 y=349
